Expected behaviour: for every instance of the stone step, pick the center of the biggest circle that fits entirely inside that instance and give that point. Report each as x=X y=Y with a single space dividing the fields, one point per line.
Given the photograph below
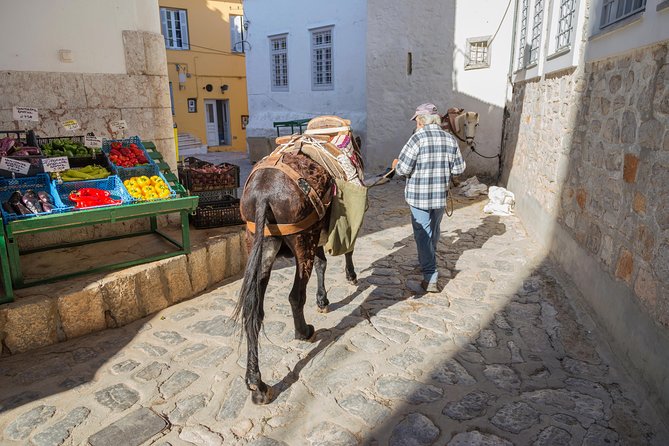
x=48 y=314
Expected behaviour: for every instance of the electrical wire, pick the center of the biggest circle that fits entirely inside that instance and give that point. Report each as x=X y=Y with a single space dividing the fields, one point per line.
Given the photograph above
x=230 y=53
x=500 y=23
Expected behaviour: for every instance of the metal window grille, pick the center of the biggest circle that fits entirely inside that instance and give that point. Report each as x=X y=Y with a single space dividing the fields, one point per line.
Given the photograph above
x=536 y=31
x=174 y=26
x=523 y=34
x=565 y=24
x=478 y=53
x=615 y=10
x=279 y=63
x=321 y=59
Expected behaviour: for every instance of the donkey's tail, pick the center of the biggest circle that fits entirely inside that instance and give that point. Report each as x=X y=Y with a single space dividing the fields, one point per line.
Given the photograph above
x=250 y=305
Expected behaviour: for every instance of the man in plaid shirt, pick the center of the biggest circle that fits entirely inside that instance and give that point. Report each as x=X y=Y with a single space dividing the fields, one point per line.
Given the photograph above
x=428 y=160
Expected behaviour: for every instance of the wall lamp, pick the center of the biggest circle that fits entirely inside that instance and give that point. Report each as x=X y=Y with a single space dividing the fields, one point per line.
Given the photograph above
x=224 y=88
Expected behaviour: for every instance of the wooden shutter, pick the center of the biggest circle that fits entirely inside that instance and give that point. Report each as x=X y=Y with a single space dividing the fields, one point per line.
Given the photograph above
x=183 y=19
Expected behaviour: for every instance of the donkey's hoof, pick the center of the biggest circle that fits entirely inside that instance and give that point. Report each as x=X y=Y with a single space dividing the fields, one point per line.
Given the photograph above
x=308 y=334
x=323 y=310
x=260 y=398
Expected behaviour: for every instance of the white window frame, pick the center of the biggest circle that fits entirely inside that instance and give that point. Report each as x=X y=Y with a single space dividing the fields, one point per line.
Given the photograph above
x=174 y=27
x=564 y=28
x=566 y=56
x=283 y=83
x=472 y=44
x=537 y=27
x=321 y=50
x=237 y=33
x=614 y=11
x=523 y=25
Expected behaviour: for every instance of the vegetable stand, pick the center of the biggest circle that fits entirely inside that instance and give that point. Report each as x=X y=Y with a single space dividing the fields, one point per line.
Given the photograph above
x=10 y=254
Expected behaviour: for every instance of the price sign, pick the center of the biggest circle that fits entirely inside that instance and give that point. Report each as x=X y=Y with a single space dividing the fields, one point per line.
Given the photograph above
x=94 y=142
x=55 y=164
x=118 y=125
x=25 y=114
x=71 y=124
x=15 y=166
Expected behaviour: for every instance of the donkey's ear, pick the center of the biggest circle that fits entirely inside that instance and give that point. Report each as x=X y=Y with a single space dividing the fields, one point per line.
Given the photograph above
x=477 y=115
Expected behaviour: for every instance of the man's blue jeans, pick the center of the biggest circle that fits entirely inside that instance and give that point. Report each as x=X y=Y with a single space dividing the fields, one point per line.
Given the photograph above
x=426 y=232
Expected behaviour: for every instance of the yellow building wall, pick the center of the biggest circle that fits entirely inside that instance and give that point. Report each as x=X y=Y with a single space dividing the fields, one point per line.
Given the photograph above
x=209 y=61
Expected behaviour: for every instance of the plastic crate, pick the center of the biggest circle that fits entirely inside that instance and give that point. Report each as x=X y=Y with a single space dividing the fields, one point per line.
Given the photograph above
x=37 y=183
x=149 y=172
x=106 y=149
x=198 y=181
x=113 y=184
x=26 y=138
x=213 y=215
x=211 y=196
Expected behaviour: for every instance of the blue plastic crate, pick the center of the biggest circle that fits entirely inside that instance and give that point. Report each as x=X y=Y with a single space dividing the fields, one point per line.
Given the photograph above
x=113 y=184
x=148 y=172
x=37 y=183
x=106 y=149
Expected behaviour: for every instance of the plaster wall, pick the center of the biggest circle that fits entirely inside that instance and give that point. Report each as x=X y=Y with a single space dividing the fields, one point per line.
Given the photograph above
x=648 y=27
x=435 y=35
x=36 y=30
x=346 y=99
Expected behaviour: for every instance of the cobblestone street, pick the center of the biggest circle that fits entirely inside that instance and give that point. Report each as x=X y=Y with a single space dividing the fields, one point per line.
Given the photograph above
x=503 y=355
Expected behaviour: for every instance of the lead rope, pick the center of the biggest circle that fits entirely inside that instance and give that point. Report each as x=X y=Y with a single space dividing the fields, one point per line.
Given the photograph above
x=449 y=203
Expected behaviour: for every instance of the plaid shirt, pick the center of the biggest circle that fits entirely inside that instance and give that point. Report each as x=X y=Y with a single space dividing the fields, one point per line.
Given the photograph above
x=428 y=160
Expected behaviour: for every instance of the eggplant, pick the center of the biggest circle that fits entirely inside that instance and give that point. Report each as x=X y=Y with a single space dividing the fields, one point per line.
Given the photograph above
x=47 y=207
x=20 y=209
x=16 y=197
x=31 y=201
x=45 y=197
x=7 y=207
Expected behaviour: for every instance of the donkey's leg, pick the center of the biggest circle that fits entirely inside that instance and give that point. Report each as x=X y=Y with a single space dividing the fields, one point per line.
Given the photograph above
x=351 y=276
x=320 y=264
x=303 y=247
x=260 y=393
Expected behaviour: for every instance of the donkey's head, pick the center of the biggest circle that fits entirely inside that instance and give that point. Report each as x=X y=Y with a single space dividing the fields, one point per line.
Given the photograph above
x=468 y=126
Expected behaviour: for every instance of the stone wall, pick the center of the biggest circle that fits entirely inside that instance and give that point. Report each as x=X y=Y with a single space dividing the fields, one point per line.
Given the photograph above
x=141 y=97
x=587 y=154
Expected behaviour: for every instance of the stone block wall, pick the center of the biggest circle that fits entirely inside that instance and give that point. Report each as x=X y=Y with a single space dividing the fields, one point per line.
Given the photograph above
x=141 y=97
x=587 y=153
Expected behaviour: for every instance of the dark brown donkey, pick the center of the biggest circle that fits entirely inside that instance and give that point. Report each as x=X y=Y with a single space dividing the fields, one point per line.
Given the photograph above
x=272 y=200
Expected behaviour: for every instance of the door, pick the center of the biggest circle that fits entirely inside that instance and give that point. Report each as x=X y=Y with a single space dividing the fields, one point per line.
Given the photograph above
x=223 y=113
x=211 y=119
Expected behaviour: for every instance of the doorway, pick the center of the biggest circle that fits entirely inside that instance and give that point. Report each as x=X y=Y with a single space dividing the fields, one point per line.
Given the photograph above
x=217 y=118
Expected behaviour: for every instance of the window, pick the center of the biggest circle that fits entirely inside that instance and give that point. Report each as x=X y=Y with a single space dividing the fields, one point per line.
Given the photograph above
x=533 y=56
x=523 y=35
x=615 y=10
x=478 y=53
x=321 y=59
x=565 y=24
x=279 y=62
x=237 y=33
x=174 y=25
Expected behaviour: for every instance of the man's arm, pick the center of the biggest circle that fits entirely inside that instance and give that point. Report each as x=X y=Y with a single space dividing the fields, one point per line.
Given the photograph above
x=458 y=165
x=407 y=158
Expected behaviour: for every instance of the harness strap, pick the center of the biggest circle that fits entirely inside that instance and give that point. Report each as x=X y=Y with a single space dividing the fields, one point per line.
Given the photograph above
x=281 y=229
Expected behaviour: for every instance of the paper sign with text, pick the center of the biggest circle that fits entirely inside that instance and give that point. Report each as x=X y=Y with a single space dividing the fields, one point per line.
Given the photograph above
x=118 y=125
x=15 y=166
x=55 y=164
x=93 y=141
x=25 y=114
x=71 y=124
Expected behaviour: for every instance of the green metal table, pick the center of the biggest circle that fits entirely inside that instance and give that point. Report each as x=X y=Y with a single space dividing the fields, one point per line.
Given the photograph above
x=12 y=275
x=292 y=124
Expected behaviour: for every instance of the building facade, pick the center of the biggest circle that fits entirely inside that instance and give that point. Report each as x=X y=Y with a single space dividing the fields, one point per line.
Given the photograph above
x=585 y=152
x=206 y=45
x=386 y=58
x=304 y=61
x=117 y=71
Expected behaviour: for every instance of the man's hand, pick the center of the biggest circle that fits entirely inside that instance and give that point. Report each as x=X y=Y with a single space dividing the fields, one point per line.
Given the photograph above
x=395 y=161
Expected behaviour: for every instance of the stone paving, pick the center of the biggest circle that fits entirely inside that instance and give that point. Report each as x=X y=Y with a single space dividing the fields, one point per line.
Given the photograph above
x=503 y=355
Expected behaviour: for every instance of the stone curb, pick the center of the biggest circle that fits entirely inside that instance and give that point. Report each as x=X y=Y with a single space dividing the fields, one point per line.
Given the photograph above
x=95 y=303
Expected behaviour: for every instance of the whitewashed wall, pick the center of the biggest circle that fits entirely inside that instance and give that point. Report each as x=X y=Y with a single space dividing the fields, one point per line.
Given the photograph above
x=435 y=33
x=89 y=28
x=651 y=26
x=347 y=99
